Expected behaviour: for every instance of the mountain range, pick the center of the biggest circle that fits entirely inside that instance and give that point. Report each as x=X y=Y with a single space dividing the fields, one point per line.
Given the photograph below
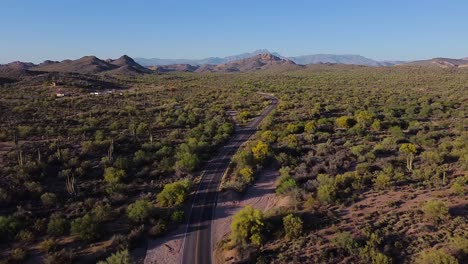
x=246 y=62
x=306 y=59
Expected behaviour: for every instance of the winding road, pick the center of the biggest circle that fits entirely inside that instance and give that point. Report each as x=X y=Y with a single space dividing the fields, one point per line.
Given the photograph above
x=197 y=245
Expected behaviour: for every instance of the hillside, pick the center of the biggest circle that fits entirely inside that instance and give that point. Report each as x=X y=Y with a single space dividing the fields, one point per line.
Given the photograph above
x=174 y=68
x=259 y=62
x=93 y=65
x=441 y=62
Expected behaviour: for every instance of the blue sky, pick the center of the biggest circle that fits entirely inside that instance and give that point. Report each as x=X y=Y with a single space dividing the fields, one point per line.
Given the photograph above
x=38 y=30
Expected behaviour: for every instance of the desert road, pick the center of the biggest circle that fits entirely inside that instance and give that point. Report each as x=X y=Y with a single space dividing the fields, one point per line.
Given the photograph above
x=197 y=245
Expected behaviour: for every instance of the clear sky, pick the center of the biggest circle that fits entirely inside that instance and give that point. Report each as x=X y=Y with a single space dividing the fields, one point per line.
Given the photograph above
x=35 y=30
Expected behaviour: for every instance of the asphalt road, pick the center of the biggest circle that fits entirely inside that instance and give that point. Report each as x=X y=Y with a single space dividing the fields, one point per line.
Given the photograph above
x=197 y=240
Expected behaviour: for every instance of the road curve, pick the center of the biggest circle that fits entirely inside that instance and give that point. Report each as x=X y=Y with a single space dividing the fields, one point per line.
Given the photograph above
x=197 y=246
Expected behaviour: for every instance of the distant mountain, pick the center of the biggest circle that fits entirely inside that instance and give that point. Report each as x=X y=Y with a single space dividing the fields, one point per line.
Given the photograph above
x=126 y=64
x=16 y=70
x=194 y=62
x=306 y=59
x=441 y=62
x=94 y=65
x=174 y=68
x=264 y=61
x=335 y=59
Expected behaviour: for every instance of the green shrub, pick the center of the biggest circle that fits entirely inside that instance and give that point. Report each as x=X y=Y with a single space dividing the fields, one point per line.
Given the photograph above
x=48 y=199
x=382 y=181
x=121 y=257
x=47 y=245
x=113 y=175
x=247 y=174
x=18 y=255
x=178 y=216
x=345 y=122
x=25 y=236
x=326 y=191
x=344 y=240
x=174 y=193
x=246 y=226
x=57 y=225
x=86 y=227
x=8 y=227
x=435 y=210
x=292 y=226
x=433 y=256
x=158 y=229
x=139 y=211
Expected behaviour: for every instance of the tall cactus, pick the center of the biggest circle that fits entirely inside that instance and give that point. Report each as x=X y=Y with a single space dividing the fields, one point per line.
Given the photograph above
x=19 y=152
x=110 y=151
x=71 y=185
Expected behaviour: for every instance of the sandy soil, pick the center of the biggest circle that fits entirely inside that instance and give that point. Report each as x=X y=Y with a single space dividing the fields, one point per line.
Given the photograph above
x=261 y=195
x=167 y=249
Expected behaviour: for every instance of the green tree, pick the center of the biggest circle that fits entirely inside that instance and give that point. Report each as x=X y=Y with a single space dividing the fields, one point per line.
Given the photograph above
x=292 y=226
x=139 y=211
x=409 y=150
x=174 y=193
x=246 y=226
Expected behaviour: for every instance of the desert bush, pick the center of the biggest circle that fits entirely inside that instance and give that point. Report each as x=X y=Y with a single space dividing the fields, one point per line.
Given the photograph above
x=246 y=174
x=435 y=210
x=18 y=255
x=178 y=216
x=246 y=227
x=174 y=193
x=8 y=227
x=57 y=225
x=345 y=241
x=158 y=229
x=292 y=226
x=47 y=245
x=433 y=256
x=139 y=211
x=25 y=236
x=121 y=257
x=326 y=192
x=86 y=227
x=382 y=181
x=48 y=199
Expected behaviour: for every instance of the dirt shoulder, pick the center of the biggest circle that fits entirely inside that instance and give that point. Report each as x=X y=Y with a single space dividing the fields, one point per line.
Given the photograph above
x=261 y=195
